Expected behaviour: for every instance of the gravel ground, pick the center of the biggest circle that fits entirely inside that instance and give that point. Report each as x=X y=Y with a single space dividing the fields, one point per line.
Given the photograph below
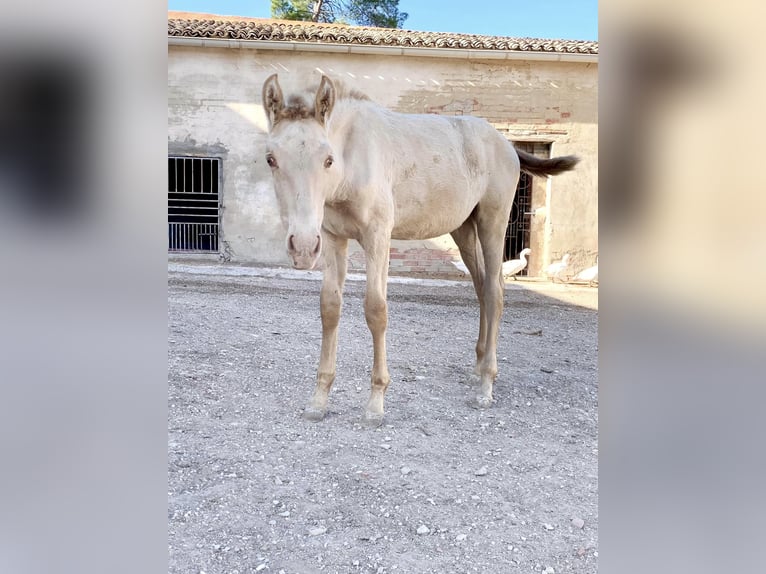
x=440 y=487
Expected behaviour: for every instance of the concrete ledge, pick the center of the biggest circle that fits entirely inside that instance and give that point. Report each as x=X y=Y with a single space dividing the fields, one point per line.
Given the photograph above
x=231 y=270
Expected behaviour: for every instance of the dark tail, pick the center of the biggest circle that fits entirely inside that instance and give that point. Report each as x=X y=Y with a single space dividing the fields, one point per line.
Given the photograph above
x=544 y=167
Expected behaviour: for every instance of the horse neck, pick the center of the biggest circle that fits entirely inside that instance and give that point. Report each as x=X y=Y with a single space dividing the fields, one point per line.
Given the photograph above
x=348 y=117
x=346 y=112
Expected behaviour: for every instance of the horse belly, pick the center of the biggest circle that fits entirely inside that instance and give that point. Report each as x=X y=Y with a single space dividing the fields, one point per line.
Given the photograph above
x=427 y=212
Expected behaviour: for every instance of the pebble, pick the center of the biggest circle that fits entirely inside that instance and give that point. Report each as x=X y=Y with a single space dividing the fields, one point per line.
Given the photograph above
x=549 y=570
x=385 y=446
x=548 y=526
x=460 y=537
x=286 y=513
x=482 y=471
x=578 y=522
x=423 y=529
x=317 y=531
x=405 y=470
x=260 y=567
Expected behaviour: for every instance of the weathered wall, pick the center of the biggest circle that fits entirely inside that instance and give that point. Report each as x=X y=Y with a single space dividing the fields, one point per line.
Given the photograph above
x=214 y=109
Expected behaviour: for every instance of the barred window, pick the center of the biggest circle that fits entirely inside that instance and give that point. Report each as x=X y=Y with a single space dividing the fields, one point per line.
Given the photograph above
x=193 y=204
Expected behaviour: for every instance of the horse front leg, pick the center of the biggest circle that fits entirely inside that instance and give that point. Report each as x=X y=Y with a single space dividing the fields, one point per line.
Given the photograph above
x=376 y=313
x=331 y=300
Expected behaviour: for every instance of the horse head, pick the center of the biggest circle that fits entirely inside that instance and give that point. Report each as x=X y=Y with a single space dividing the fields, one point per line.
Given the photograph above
x=302 y=164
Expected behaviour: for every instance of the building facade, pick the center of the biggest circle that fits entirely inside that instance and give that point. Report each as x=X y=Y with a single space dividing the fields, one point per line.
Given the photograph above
x=542 y=95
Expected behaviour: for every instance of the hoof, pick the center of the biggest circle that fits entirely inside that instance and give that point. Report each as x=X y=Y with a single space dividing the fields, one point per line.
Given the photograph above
x=372 y=420
x=480 y=402
x=314 y=414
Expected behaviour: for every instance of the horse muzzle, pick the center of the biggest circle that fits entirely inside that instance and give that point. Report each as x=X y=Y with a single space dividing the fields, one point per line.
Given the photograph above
x=304 y=249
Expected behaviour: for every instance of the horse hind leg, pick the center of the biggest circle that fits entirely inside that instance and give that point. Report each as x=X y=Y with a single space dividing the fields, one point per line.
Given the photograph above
x=331 y=300
x=491 y=222
x=467 y=240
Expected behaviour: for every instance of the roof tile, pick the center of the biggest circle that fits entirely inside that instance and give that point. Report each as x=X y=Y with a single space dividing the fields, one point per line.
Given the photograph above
x=191 y=25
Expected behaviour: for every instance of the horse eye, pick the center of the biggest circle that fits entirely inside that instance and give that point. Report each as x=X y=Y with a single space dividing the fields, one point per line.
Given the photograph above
x=328 y=161
x=271 y=161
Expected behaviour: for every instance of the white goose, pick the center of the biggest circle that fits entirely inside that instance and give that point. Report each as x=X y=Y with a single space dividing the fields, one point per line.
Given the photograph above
x=556 y=270
x=514 y=266
x=589 y=274
x=461 y=266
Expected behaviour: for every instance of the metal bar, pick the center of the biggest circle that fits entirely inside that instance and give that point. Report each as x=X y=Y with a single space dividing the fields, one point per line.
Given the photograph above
x=194 y=203
x=200 y=207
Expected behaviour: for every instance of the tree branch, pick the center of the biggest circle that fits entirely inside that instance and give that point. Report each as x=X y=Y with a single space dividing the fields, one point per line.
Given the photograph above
x=317 y=10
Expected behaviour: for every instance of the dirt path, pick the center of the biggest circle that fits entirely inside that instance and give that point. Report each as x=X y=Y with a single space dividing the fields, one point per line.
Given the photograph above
x=440 y=487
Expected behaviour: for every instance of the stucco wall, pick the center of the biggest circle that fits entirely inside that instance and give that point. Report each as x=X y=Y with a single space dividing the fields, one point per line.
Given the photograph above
x=214 y=109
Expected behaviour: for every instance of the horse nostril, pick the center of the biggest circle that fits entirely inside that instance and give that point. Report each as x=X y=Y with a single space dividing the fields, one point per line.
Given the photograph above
x=318 y=245
x=290 y=244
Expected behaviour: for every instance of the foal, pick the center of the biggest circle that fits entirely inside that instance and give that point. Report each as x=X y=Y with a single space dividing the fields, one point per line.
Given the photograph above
x=345 y=168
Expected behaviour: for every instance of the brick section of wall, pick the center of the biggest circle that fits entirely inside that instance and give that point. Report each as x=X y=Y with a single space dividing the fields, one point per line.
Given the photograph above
x=416 y=261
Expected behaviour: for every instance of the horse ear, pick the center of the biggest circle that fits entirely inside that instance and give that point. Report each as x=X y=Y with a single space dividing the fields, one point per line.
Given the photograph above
x=325 y=100
x=273 y=100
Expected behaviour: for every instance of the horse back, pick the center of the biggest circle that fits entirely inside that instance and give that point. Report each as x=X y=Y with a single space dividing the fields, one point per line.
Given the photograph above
x=433 y=170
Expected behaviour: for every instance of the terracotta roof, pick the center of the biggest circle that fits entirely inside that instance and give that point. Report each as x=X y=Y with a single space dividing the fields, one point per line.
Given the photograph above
x=194 y=25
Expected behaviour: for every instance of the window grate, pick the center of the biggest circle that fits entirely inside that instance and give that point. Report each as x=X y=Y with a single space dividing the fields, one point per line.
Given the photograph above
x=193 y=204
x=519 y=223
x=518 y=232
